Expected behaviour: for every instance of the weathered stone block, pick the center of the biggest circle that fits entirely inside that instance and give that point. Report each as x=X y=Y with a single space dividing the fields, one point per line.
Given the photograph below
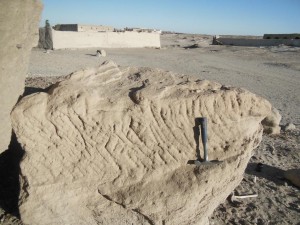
x=111 y=146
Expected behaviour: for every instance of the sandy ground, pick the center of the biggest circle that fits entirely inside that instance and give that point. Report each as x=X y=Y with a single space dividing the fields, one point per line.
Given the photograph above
x=271 y=72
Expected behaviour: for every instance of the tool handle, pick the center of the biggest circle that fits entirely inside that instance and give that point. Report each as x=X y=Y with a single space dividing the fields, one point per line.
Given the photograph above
x=246 y=196
x=203 y=124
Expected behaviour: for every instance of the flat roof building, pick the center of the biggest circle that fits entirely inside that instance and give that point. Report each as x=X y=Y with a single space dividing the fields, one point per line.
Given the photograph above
x=82 y=28
x=281 y=36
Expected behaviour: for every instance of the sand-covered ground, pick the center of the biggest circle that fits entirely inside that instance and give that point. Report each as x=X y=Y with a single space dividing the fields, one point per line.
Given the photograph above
x=271 y=72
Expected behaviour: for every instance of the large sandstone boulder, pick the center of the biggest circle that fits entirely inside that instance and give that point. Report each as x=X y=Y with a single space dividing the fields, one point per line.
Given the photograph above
x=18 y=25
x=111 y=146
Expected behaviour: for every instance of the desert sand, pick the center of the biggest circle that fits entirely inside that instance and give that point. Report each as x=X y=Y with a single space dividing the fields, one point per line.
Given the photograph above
x=272 y=73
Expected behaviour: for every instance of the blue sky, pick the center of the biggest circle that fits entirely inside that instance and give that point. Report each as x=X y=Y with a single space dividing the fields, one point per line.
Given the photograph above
x=244 y=17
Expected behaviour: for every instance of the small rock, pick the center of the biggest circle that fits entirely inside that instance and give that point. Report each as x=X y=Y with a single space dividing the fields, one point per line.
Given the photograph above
x=289 y=126
x=293 y=176
x=101 y=53
x=271 y=122
x=272 y=130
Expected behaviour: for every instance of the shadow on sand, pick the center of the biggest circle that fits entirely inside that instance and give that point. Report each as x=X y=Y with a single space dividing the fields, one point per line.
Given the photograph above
x=91 y=54
x=268 y=172
x=9 y=177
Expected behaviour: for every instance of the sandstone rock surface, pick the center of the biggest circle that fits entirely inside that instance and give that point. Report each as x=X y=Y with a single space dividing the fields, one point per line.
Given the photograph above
x=289 y=126
x=271 y=123
x=18 y=23
x=111 y=146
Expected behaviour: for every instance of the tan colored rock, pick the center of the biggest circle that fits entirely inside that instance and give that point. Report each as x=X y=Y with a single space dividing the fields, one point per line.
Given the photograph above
x=293 y=176
x=101 y=53
x=18 y=25
x=289 y=126
x=111 y=146
x=271 y=123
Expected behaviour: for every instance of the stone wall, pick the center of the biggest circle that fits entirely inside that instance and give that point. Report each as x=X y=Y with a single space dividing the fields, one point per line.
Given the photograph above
x=82 y=28
x=99 y=28
x=257 y=42
x=281 y=36
x=68 y=39
x=23 y=17
x=66 y=27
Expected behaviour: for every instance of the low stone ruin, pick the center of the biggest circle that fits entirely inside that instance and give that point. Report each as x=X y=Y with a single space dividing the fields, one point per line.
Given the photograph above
x=112 y=146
